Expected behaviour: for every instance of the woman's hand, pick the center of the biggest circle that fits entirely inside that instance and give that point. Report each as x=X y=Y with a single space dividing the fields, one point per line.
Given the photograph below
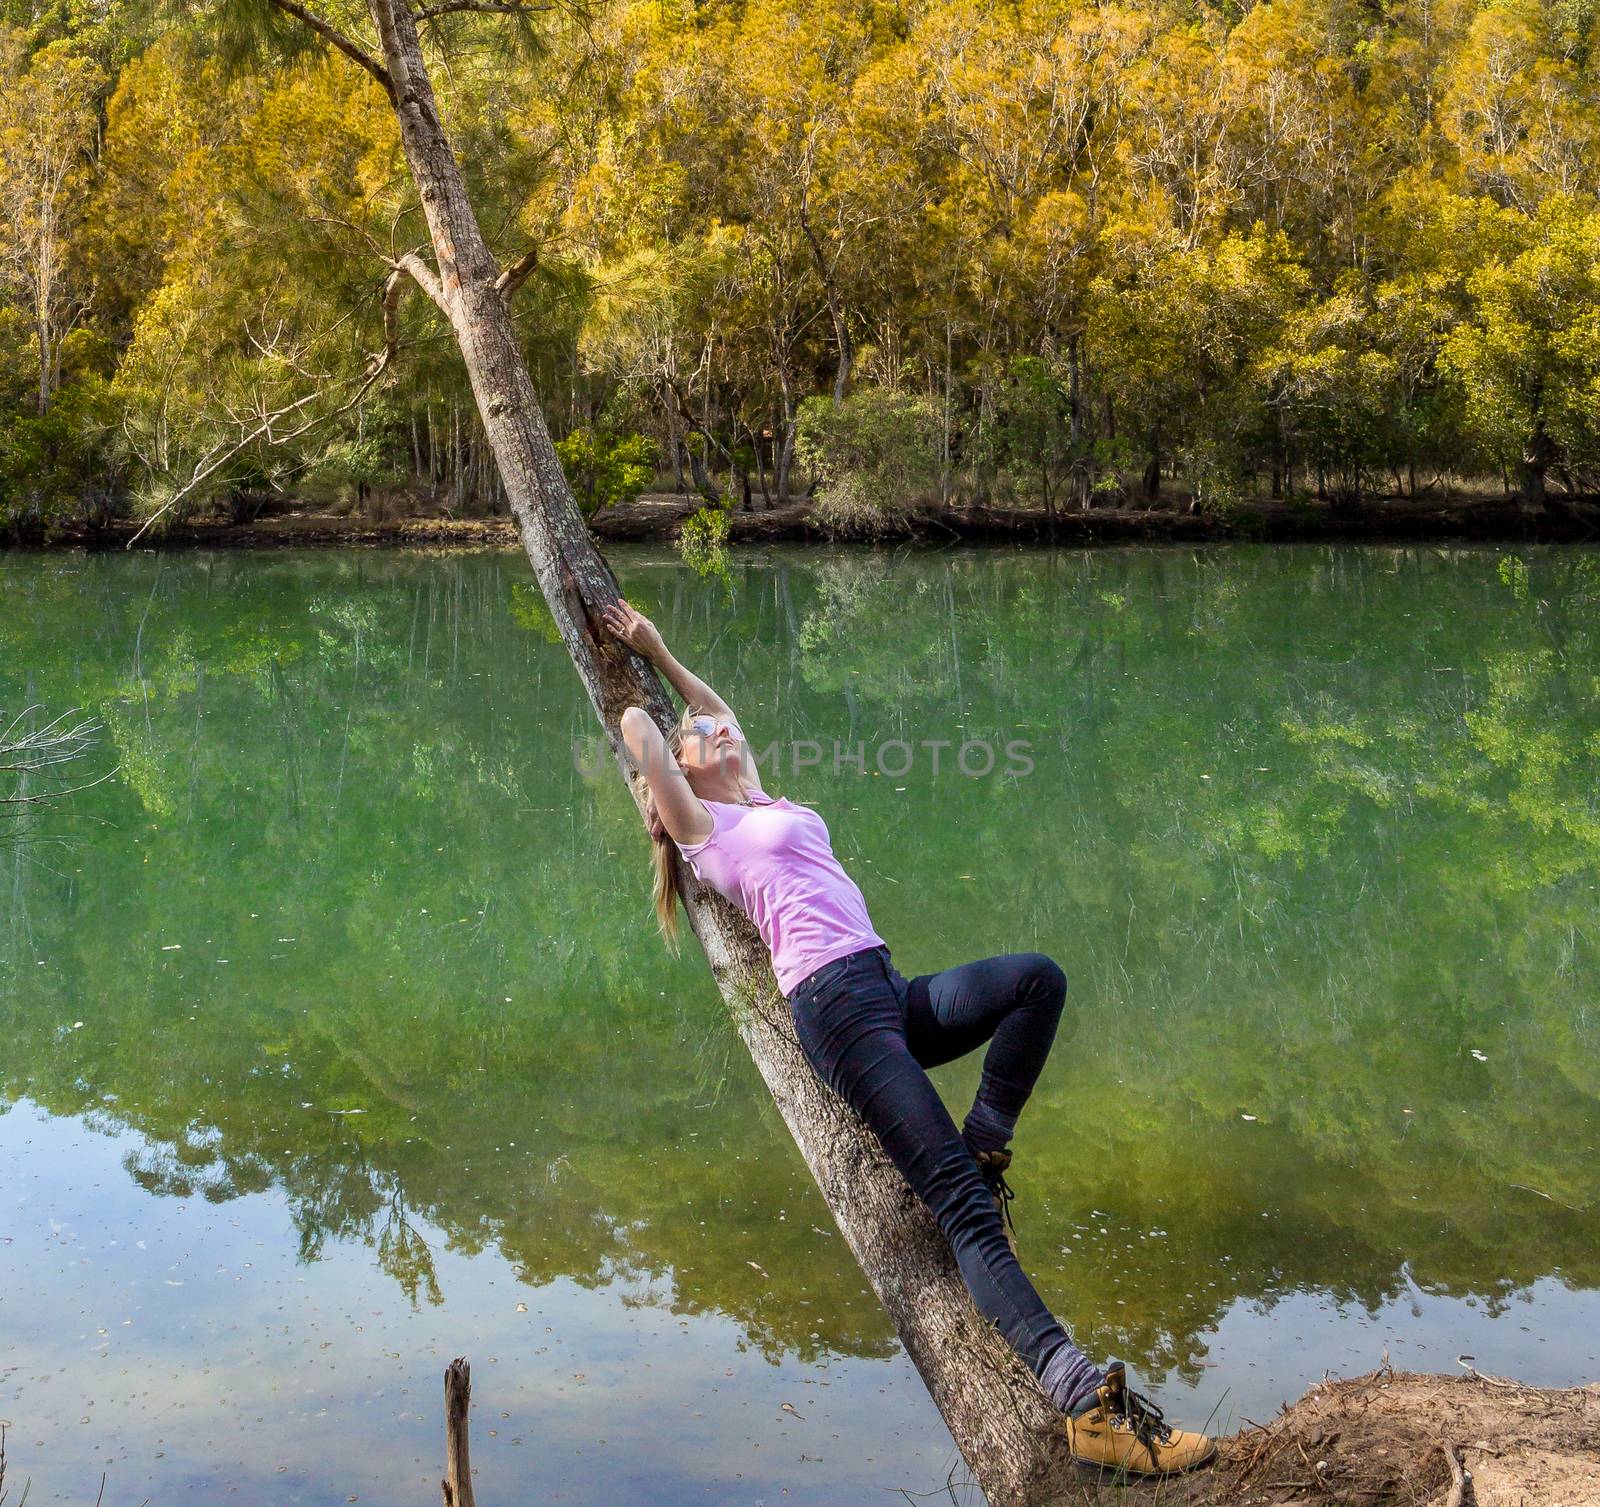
x=652 y=818
x=639 y=633
x=634 y=629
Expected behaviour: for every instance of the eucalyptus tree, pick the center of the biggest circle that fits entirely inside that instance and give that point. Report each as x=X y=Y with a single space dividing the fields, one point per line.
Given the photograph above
x=47 y=124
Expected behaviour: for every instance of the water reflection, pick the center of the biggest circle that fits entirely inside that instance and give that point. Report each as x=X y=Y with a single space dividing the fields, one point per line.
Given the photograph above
x=1312 y=831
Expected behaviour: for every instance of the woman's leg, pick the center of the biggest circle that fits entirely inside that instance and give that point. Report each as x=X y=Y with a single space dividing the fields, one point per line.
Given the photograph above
x=1014 y=1003
x=852 y=1029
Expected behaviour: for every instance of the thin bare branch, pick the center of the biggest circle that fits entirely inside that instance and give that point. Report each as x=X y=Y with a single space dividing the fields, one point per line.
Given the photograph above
x=221 y=454
x=59 y=741
x=359 y=232
x=54 y=743
x=480 y=7
x=45 y=797
x=336 y=38
x=393 y=286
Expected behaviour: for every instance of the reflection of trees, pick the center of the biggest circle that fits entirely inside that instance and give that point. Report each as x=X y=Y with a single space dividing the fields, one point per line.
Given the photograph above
x=461 y=861
x=404 y=1254
x=1307 y=827
x=1321 y=833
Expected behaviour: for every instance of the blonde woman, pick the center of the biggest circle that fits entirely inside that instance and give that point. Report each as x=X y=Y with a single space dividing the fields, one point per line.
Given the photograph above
x=871 y=1033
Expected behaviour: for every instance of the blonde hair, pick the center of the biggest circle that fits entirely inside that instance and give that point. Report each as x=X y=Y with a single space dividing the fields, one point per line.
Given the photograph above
x=664 y=851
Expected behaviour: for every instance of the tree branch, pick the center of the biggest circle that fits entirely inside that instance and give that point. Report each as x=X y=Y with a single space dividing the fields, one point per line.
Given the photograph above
x=262 y=425
x=57 y=742
x=410 y=265
x=425 y=278
x=480 y=7
x=263 y=428
x=392 y=287
x=517 y=274
x=45 y=797
x=336 y=38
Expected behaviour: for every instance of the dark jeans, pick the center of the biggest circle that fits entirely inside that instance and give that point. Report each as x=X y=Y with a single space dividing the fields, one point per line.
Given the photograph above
x=869 y=1033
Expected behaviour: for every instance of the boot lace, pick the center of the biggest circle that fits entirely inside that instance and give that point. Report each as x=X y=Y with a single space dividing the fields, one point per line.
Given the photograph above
x=993 y=1165
x=1142 y=1418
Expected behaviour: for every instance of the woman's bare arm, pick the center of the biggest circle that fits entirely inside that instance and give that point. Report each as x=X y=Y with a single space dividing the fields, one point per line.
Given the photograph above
x=682 y=812
x=639 y=633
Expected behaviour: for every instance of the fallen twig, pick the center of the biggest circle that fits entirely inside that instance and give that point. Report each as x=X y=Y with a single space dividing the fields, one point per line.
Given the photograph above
x=1465 y=1362
x=1458 y=1477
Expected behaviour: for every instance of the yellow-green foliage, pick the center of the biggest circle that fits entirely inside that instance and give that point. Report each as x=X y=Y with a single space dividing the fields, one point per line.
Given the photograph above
x=1337 y=245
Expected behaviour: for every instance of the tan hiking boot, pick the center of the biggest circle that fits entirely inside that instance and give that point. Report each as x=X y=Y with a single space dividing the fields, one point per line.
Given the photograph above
x=992 y=1166
x=1123 y=1433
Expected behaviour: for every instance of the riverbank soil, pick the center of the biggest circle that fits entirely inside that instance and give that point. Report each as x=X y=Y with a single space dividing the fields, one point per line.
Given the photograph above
x=1379 y=1440
x=658 y=517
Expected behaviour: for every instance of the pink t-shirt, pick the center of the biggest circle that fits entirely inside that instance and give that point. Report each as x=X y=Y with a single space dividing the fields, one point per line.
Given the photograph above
x=773 y=859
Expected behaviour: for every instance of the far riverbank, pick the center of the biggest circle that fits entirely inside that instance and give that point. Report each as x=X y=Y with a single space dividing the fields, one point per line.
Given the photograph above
x=658 y=517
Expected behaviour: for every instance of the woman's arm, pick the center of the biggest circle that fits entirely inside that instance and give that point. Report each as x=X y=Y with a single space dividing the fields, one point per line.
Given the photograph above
x=682 y=812
x=639 y=633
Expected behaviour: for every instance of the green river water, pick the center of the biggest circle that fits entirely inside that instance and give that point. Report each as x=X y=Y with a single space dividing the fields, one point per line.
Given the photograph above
x=336 y=1039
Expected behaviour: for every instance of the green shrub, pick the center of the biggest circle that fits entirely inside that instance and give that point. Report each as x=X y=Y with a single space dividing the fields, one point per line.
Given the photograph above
x=1033 y=421
x=875 y=456
x=355 y=468
x=604 y=469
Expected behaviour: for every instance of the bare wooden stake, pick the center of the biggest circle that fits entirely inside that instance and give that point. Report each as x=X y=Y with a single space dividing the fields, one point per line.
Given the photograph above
x=457 y=1481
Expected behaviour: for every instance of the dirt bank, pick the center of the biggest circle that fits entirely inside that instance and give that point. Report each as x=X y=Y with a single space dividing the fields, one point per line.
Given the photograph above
x=1380 y=1441
x=657 y=517
x=1398 y=519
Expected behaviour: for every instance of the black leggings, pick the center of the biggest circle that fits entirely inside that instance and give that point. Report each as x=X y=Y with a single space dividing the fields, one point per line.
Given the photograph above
x=869 y=1033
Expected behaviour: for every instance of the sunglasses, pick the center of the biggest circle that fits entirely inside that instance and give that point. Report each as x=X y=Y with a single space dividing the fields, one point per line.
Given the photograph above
x=705 y=727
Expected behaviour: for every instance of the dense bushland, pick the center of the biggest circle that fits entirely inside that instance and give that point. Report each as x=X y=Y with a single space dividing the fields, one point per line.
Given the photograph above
x=939 y=251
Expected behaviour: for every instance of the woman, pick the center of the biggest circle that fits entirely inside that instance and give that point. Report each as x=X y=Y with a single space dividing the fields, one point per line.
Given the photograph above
x=870 y=1033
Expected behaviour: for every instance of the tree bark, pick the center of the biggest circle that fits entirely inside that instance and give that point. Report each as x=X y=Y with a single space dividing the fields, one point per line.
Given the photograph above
x=825 y=275
x=675 y=444
x=1537 y=457
x=1004 y=1425
x=43 y=333
x=1081 y=481
x=841 y=325
x=702 y=477
x=784 y=462
x=944 y=428
x=1152 y=470
x=761 y=466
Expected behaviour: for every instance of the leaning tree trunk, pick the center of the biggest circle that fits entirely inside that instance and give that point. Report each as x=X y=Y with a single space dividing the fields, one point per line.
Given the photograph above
x=1000 y=1419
